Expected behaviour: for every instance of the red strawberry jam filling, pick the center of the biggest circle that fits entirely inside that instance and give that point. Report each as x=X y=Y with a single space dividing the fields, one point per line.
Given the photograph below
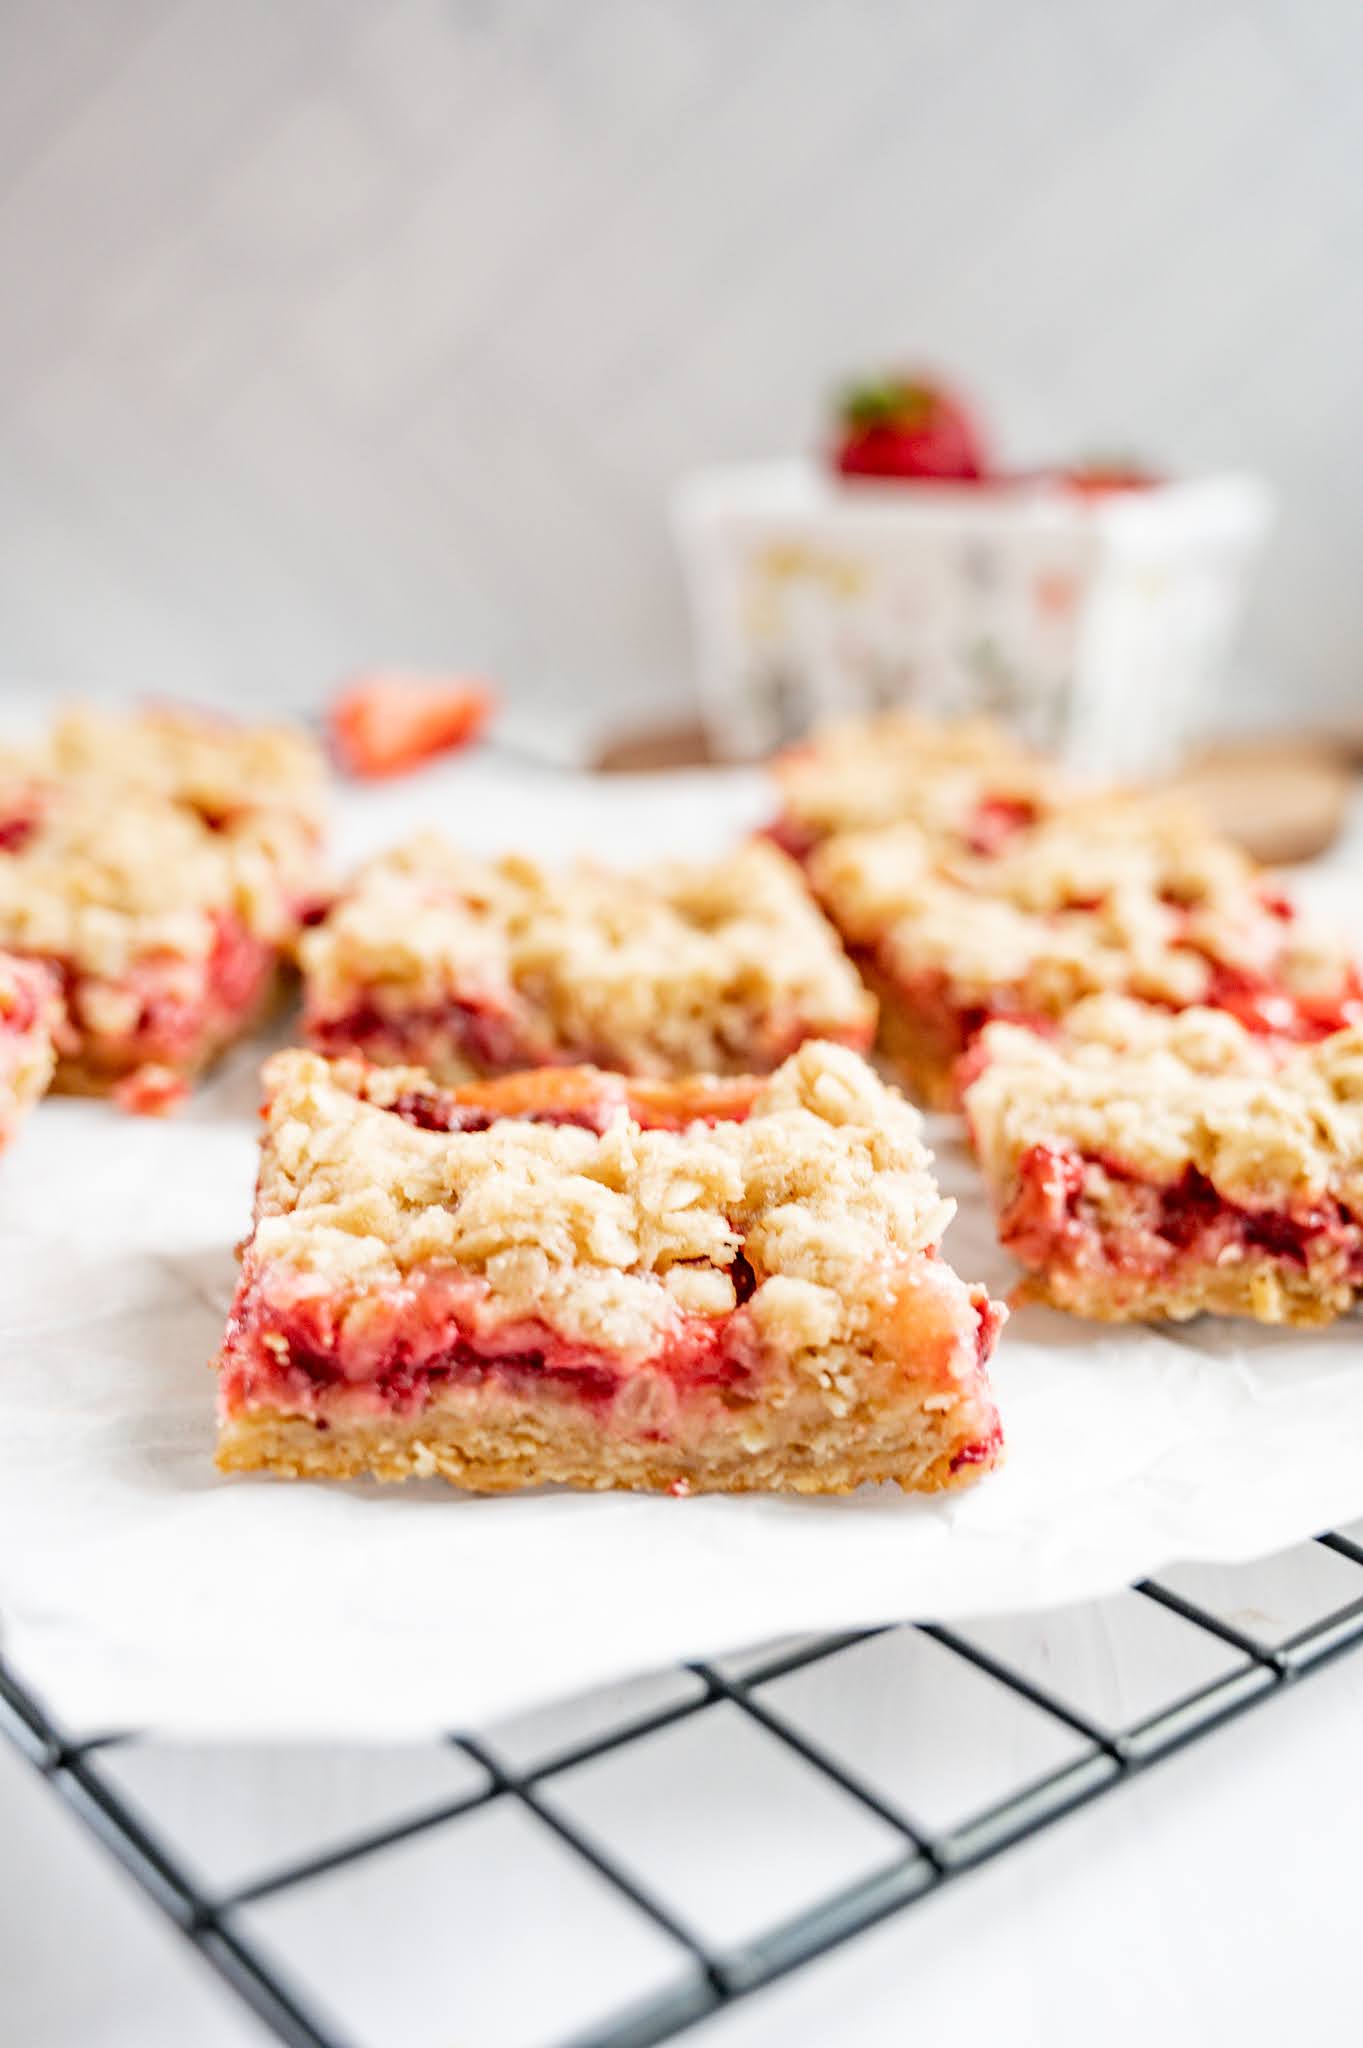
x=394 y=1351
x=998 y=819
x=486 y=1035
x=17 y=827
x=1266 y=1007
x=179 y=1013
x=1094 y=1215
x=28 y=991
x=479 y=1028
x=293 y=1348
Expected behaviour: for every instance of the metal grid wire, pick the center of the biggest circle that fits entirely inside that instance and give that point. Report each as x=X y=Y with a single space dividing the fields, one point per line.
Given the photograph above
x=716 y=1978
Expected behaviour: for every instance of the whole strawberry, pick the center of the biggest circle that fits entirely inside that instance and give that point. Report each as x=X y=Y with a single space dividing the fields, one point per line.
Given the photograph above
x=908 y=427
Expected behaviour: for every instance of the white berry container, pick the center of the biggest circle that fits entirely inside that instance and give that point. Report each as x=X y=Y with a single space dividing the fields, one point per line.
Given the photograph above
x=1096 y=624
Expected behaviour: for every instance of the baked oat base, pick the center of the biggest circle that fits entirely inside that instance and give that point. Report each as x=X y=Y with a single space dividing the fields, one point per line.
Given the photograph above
x=525 y=1445
x=1264 y=1290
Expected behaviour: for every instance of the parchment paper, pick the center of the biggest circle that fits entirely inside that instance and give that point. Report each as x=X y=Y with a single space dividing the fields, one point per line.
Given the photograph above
x=138 y=1587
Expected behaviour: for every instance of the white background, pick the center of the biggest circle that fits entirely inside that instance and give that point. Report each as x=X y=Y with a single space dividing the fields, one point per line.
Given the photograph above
x=351 y=329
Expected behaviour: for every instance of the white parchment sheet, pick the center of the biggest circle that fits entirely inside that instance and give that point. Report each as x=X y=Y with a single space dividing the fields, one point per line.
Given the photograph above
x=138 y=1587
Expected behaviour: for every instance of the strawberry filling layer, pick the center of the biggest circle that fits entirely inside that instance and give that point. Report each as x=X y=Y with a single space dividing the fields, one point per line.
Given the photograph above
x=177 y=1010
x=392 y=1351
x=483 y=1033
x=996 y=820
x=478 y=1033
x=1088 y=1215
x=29 y=988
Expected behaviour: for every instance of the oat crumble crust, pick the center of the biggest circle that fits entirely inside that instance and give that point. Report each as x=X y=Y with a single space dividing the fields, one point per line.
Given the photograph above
x=1129 y=893
x=120 y=859
x=1271 y=1126
x=671 y=968
x=109 y=876
x=904 y=767
x=823 y=1185
x=214 y=765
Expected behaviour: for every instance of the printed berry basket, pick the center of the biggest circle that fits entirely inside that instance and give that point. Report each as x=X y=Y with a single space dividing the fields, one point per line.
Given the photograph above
x=1094 y=623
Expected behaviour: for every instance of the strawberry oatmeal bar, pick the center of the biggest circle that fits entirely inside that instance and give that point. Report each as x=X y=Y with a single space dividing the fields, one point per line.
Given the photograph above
x=567 y=1276
x=160 y=867
x=28 y=1017
x=964 y=783
x=1153 y=1164
x=474 y=967
x=1121 y=893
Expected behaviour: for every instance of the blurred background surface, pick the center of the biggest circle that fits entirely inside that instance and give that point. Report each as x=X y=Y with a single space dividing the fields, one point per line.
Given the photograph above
x=340 y=332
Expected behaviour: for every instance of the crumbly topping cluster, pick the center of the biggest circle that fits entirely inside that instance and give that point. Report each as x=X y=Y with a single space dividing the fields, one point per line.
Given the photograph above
x=664 y=969
x=121 y=836
x=1129 y=893
x=824 y=1187
x=211 y=765
x=1152 y=1093
x=903 y=767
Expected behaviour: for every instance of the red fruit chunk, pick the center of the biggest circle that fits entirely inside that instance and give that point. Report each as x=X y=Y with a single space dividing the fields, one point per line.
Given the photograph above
x=1097 y=478
x=387 y=723
x=151 y=1090
x=906 y=428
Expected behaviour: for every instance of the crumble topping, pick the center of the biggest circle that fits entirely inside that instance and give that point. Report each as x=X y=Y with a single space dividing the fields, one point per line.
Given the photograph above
x=213 y=765
x=105 y=876
x=905 y=767
x=1127 y=893
x=120 y=837
x=1114 y=843
x=1154 y=1094
x=823 y=1188
x=670 y=967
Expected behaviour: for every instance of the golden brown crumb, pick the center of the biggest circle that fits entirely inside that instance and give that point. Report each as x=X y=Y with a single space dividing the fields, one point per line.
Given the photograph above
x=1158 y=1093
x=1130 y=894
x=905 y=767
x=674 y=968
x=131 y=828
x=214 y=765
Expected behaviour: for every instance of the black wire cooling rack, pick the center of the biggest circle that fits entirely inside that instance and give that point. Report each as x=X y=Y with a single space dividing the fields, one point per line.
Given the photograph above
x=1250 y=1666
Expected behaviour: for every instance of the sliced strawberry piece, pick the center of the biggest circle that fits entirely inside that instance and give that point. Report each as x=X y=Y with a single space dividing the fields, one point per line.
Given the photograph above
x=1103 y=474
x=907 y=428
x=388 y=722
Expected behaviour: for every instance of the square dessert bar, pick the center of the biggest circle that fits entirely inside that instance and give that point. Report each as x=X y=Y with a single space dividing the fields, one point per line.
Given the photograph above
x=160 y=867
x=474 y=967
x=569 y=1276
x=1151 y=1164
x=28 y=1016
x=1120 y=893
x=965 y=783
